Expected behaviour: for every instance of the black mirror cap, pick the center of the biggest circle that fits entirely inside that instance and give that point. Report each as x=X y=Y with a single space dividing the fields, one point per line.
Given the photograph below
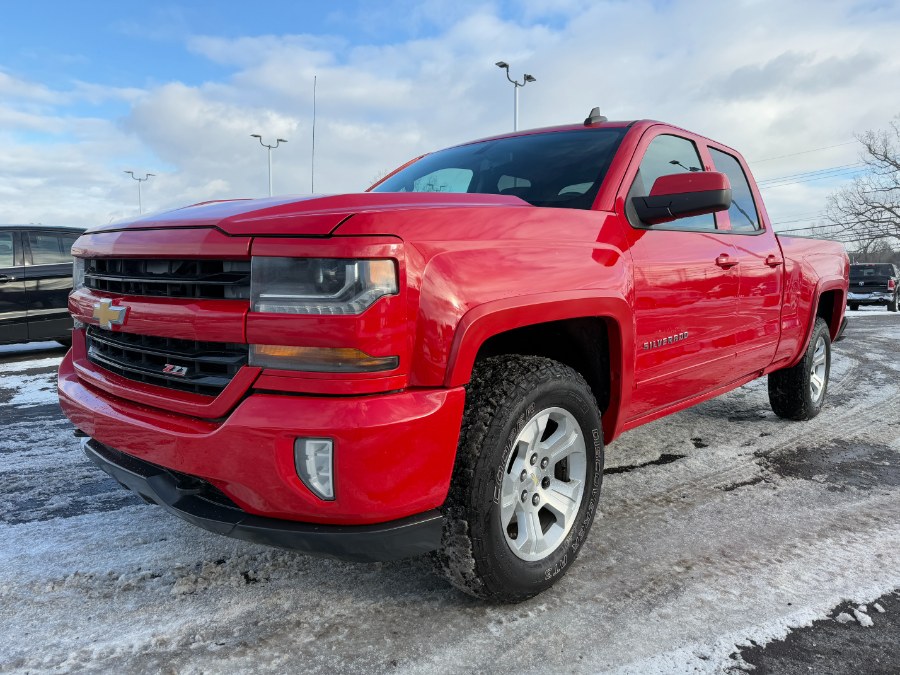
x=666 y=208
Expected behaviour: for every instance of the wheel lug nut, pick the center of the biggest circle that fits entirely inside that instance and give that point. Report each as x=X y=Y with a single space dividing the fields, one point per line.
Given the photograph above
x=546 y=482
x=523 y=475
x=525 y=495
x=535 y=499
x=544 y=463
x=533 y=460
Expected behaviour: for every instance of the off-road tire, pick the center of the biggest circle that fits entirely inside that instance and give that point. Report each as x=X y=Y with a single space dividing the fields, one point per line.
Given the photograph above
x=506 y=392
x=854 y=306
x=789 y=388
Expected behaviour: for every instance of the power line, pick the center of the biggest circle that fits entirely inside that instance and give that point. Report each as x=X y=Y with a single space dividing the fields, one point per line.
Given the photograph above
x=802 y=152
x=841 y=167
x=798 y=220
x=844 y=174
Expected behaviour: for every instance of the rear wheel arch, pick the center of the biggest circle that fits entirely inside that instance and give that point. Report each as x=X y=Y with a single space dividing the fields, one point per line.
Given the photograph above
x=829 y=305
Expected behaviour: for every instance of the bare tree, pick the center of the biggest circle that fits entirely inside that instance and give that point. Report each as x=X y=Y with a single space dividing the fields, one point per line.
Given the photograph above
x=867 y=212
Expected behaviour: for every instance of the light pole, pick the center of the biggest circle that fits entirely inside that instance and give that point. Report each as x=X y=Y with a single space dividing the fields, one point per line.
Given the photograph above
x=269 y=149
x=139 y=181
x=525 y=80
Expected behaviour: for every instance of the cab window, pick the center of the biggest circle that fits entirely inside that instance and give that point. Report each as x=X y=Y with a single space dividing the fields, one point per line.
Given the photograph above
x=666 y=155
x=742 y=213
x=444 y=180
x=6 y=249
x=47 y=249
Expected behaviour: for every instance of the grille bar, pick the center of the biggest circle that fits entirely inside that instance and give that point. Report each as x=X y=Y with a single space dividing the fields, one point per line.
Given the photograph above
x=186 y=365
x=207 y=279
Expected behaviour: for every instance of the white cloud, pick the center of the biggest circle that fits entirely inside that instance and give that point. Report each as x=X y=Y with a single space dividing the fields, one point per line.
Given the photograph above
x=767 y=77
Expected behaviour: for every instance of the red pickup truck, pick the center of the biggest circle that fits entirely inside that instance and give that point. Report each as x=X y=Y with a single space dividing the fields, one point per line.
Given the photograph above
x=435 y=365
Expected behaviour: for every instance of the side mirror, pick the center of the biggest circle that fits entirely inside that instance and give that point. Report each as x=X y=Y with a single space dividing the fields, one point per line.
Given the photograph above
x=681 y=195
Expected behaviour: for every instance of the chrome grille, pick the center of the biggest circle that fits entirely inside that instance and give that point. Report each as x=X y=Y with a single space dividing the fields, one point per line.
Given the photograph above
x=186 y=365
x=207 y=279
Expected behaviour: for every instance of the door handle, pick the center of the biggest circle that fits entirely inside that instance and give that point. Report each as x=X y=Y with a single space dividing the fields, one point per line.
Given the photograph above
x=4 y=278
x=773 y=261
x=725 y=261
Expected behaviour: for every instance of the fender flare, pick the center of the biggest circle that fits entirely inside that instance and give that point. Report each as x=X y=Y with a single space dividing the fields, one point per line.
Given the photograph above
x=499 y=316
x=823 y=286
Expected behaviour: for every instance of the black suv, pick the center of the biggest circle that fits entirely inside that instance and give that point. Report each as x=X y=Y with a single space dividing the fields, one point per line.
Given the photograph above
x=35 y=280
x=874 y=284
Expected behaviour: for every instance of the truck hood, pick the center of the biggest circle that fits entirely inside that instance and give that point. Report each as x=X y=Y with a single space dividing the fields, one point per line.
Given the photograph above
x=315 y=215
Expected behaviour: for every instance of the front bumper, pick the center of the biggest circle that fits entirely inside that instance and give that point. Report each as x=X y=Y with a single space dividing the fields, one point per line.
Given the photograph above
x=201 y=504
x=393 y=453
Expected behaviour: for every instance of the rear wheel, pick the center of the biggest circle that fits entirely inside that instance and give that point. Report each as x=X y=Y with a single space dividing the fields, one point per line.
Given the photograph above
x=798 y=393
x=892 y=305
x=853 y=306
x=526 y=481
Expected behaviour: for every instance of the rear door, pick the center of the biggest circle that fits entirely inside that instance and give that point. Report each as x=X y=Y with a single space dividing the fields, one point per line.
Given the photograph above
x=13 y=317
x=761 y=269
x=48 y=281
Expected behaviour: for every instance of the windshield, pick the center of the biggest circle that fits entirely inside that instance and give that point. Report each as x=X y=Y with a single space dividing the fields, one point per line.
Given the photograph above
x=561 y=169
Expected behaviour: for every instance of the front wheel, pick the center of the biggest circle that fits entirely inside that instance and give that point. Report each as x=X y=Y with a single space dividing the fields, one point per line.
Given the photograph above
x=527 y=479
x=798 y=393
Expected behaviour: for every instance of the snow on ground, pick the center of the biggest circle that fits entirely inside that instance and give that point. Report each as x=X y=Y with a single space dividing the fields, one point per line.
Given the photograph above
x=748 y=526
x=29 y=347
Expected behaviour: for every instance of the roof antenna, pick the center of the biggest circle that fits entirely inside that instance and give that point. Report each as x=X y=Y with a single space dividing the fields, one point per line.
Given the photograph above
x=594 y=118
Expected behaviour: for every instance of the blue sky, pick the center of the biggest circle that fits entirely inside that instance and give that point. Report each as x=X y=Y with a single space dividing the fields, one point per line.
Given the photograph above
x=88 y=90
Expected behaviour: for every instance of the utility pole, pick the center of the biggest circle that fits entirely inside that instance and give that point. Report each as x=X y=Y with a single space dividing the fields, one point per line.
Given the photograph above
x=525 y=80
x=139 y=181
x=312 y=172
x=269 y=148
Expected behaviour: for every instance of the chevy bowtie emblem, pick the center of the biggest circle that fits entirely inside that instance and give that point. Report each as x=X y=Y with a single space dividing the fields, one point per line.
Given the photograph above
x=108 y=314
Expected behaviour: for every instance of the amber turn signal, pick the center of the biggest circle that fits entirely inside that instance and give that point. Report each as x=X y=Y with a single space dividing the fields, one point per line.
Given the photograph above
x=319 y=359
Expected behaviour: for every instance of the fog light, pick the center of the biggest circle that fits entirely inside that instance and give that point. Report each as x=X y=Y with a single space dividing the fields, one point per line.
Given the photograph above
x=313 y=460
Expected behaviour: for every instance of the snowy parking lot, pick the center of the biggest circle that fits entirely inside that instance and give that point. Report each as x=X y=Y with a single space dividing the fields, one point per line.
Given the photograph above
x=721 y=528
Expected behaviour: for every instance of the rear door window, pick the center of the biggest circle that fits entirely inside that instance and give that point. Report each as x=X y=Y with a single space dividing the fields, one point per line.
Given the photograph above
x=742 y=214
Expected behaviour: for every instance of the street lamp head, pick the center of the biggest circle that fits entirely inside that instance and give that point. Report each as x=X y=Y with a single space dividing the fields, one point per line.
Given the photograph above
x=502 y=64
x=281 y=140
x=131 y=172
x=529 y=78
x=256 y=136
x=150 y=174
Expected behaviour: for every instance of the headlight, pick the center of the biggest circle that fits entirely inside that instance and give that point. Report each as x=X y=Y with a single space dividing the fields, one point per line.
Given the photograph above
x=77 y=273
x=319 y=285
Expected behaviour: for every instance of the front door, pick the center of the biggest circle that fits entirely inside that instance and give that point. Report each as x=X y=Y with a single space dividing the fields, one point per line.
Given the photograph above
x=685 y=292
